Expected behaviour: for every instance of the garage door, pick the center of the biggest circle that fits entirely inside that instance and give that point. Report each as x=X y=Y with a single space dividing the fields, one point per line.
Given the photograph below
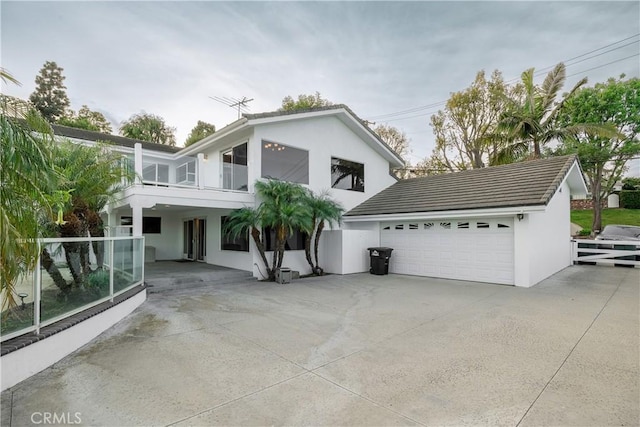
x=465 y=249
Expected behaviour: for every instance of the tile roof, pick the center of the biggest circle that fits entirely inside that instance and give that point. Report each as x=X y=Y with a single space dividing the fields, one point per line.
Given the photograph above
x=88 y=135
x=528 y=183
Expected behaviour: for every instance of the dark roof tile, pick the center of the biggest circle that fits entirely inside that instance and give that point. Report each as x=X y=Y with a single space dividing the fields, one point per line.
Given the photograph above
x=529 y=183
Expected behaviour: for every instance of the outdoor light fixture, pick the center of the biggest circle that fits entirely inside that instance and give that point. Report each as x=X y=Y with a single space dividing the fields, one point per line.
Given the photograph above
x=22 y=296
x=520 y=216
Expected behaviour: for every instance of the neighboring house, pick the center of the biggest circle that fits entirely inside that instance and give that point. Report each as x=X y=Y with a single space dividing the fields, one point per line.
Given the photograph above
x=184 y=194
x=505 y=224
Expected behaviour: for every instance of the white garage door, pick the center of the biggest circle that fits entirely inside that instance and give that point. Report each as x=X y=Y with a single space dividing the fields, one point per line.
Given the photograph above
x=465 y=249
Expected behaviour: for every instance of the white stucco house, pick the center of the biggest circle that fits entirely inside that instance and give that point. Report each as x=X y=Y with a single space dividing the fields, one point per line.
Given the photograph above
x=185 y=194
x=505 y=224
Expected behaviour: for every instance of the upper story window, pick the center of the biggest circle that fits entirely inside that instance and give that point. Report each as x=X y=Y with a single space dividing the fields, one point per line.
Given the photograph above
x=186 y=173
x=347 y=175
x=155 y=172
x=234 y=168
x=285 y=163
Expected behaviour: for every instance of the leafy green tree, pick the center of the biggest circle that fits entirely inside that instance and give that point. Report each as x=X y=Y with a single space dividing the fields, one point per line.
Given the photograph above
x=148 y=127
x=323 y=210
x=530 y=121
x=200 y=130
x=304 y=102
x=27 y=179
x=465 y=130
x=50 y=95
x=86 y=119
x=615 y=103
x=394 y=138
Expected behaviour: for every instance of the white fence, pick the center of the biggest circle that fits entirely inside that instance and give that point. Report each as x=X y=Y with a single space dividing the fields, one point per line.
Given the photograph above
x=616 y=252
x=73 y=275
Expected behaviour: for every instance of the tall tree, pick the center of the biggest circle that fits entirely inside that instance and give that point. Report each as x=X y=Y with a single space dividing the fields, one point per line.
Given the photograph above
x=603 y=159
x=465 y=130
x=304 y=102
x=200 y=130
x=530 y=121
x=394 y=138
x=86 y=119
x=27 y=178
x=50 y=96
x=148 y=127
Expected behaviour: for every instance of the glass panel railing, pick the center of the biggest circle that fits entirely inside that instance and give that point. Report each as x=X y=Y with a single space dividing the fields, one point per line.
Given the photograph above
x=163 y=173
x=17 y=306
x=74 y=274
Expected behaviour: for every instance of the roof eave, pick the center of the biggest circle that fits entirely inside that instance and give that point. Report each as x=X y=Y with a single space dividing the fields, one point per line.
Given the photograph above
x=457 y=213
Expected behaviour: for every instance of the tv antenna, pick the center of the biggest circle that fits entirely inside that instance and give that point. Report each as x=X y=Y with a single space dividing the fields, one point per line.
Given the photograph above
x=240 y=104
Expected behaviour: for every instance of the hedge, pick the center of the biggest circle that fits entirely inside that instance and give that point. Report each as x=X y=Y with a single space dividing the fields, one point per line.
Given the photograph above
x=630 y=199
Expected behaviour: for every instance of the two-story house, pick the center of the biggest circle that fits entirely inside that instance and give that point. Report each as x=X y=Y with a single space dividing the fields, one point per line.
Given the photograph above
x=183 y=195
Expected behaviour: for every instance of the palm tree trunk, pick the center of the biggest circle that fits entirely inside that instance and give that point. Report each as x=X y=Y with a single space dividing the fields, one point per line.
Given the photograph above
x=255 y=233
x=72 y=255
x=50 y=267
x=596 y=199
x=317 y=270
x=307 y=244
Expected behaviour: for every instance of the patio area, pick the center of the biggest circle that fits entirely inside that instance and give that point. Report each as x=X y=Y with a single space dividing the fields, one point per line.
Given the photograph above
x=164 y=276
x=359 y=350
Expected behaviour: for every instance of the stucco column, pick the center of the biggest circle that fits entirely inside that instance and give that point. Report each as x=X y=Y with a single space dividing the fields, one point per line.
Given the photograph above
x=137 y=220
x=138 y=163
x=201 y=171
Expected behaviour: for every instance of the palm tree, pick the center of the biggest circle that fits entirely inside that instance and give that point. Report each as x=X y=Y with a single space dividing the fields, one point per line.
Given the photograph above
x=282 y=209
x=93 y=176
x=247 y=220
x=323 y=209
x=530 y=121
x=27 y=178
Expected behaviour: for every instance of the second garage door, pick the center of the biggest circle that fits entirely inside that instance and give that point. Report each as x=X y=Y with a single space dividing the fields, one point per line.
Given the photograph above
x=465 y=249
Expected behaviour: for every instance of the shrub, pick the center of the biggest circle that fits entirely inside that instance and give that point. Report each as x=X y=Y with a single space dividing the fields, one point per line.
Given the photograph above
x=631 y=183
x=584 y=232
x=630 y=199
x=98 y=281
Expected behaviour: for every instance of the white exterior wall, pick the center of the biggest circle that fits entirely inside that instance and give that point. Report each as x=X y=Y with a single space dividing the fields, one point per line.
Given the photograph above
x=215 y=255
x=213 y=164
x=550 y=237
x=345 y=251
x=325 y=137
x=168 y=243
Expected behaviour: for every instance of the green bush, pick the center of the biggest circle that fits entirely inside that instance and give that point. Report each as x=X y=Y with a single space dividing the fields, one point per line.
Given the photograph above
x=631 y=183
x=630 y=199
x=584 y=232
x=98 y=281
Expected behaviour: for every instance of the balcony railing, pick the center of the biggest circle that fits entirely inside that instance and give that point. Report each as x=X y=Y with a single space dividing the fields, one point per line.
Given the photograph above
x=73 y=275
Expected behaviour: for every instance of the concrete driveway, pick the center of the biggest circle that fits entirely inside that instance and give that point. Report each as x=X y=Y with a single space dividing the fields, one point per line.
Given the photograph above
x=359 y=350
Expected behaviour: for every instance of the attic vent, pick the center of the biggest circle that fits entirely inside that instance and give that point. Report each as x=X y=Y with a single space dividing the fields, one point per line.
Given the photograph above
x=445 y=225
x=483 y=225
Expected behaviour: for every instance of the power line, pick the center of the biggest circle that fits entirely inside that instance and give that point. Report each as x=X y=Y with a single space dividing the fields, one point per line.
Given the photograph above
x=393 y=116
x=604 y=65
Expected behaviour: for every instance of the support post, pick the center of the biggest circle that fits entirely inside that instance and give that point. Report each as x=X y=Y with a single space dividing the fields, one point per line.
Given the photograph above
x=38 y=289
x=201 y=171
x=138 y=162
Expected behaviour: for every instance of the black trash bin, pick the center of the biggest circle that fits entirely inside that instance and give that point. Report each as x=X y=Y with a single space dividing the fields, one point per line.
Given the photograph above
x=379 y=260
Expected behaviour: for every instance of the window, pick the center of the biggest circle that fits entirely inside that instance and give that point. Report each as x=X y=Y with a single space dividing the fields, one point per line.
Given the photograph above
x=295 y=242
x=285 y=163
x=155 y=172
x=186 y=173
x=445 y=225
x=463 y=225
x=399 y=227
x=150 y=224
x=482 y=225
x=228 y=243
x=347 y=175
x=234 y=168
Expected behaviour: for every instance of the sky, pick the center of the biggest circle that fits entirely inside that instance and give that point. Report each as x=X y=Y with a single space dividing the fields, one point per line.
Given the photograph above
x=391 y=62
